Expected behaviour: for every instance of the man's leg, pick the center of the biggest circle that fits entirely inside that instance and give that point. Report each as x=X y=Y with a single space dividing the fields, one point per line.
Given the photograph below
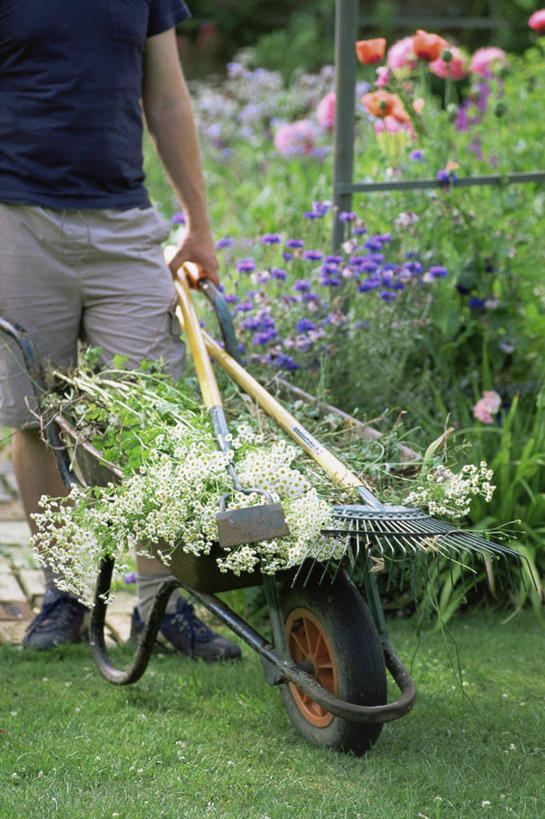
x=128 y=307
x=61 y=619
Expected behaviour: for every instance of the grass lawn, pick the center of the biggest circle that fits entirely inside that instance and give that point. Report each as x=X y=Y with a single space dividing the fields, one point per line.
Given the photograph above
x=190 y=740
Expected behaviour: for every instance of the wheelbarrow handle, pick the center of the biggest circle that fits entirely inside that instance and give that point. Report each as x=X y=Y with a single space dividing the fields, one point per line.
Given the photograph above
x=198 y=280
x=223 y=315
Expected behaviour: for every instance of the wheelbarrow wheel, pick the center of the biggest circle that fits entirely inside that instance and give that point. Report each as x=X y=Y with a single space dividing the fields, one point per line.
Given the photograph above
x=331 y=627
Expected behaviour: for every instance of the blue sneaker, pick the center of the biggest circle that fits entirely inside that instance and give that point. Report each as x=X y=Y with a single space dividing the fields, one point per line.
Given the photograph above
x=186 y=634
x=60 y=621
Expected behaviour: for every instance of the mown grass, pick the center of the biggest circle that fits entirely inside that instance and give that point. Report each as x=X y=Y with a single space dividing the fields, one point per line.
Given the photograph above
x=190 y=740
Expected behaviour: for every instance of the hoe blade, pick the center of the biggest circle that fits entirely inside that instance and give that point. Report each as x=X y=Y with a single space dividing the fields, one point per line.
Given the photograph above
x=251 y=524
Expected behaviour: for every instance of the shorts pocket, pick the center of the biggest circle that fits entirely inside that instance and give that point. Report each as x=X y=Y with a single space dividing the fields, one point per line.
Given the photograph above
x=130 y=20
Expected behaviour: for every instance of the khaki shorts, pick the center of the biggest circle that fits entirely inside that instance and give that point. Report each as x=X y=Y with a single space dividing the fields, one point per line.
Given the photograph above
x=96 y=275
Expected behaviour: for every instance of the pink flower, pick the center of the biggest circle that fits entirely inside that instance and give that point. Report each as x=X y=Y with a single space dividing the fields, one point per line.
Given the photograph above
x=537 y=21
x=486 y=59
x=487 y=406
x=295 y=138
x=455 y=69
x=325 y=112
x=401 y=57
x=383 y=76
x=390 y=124
x=418 y=105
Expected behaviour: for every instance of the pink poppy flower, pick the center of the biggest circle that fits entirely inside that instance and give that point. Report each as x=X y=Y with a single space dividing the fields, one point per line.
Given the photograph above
x=485 y=60
x=537 y=21
x=325 y=112
x=401 y=57
x=487 y=406
x=455 y=69
x=383 y=76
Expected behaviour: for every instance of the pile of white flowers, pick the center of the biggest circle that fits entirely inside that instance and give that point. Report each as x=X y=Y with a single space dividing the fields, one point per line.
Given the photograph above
x=449 y=494
x=175 y=477
x=172 y=500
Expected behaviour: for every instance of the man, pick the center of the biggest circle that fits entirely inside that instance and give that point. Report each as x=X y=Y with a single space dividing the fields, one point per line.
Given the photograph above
x=80 y=245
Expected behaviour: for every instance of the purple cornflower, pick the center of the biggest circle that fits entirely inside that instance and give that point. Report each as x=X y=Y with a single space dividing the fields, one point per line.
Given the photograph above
x=347 y=216
x=245 y=265
x=287 y=256
x=373 y=243
x=321 y=207
x=329 y=281
x=368 y=266
x=286 y=362
x=313 y=255
x=226 y=241
x=387 y=277
x=178 y=218
x=329 y=268
x=302 y=285
x=265 y=336
x=230 y=298
x=438 y=271
x=295 y=243
x=368 y=284
x=312 y=214
x=271 y=239
x=446 y=177
x=279 y=273
x=333 y=259
x=244 y=306
x=250 y=323
x=475 y=303
x=387 y=295
x=417 y=155
x=304 y=325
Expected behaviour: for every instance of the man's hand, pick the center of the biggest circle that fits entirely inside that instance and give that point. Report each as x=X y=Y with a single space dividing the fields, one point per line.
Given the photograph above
x=199 y=250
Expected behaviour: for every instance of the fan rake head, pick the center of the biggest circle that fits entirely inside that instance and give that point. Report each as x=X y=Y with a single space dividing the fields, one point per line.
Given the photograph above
x=397 y=536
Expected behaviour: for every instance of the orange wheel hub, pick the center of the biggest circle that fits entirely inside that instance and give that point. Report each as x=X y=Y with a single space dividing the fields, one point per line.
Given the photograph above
x=308 y=642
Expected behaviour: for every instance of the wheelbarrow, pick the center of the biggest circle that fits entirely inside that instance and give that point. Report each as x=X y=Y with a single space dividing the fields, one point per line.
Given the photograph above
x=330 y=649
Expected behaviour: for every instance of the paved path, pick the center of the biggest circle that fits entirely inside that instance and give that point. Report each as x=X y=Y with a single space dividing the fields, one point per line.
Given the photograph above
x=21 y=582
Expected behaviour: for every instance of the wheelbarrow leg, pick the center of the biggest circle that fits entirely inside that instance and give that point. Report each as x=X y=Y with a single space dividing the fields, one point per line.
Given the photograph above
x=147 y=639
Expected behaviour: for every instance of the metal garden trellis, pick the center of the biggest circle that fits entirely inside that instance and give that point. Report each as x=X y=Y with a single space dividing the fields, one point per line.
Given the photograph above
x=346 y=29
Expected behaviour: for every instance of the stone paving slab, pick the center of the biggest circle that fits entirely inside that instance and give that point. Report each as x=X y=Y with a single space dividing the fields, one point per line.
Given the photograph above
x=14 y=533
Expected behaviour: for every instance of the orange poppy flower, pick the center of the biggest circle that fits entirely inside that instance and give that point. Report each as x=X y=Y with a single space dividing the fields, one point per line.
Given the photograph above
x=379 y=103
x=370 y=52
x=398 y=111
x=428 y=46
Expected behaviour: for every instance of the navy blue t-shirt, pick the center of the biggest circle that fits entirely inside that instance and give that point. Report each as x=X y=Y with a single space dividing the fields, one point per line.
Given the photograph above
x=70 y=89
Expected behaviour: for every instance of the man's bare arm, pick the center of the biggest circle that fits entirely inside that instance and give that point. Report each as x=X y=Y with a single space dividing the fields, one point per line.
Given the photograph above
x=169 y=117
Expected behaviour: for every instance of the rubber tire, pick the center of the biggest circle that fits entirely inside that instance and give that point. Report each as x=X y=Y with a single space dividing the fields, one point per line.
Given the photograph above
x=357 y=653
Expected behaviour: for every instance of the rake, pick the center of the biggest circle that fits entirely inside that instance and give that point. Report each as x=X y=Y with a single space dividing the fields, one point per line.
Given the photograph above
x=368 y=530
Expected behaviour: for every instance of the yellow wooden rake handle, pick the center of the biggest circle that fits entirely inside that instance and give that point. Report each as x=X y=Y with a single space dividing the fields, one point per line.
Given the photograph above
x=205 y=373
x=332 y=465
